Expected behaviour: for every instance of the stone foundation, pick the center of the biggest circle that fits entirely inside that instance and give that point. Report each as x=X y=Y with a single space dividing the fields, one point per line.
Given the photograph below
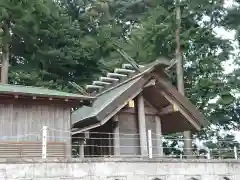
x=119 y=169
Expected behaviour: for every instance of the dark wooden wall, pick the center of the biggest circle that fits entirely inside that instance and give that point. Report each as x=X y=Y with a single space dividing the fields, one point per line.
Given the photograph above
x=128 y=122
x=129 y=134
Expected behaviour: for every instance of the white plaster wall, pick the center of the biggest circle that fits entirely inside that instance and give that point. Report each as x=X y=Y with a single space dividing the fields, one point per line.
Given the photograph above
x=121 y=170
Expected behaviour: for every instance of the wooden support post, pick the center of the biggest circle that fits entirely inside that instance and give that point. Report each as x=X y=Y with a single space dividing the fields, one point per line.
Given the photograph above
x=159 y=136
x=116 y=137
x=110 y=144
x=142 y=126
x=81 y=148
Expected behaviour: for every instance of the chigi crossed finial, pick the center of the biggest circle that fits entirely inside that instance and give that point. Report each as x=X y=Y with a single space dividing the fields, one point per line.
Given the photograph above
x=112 y=78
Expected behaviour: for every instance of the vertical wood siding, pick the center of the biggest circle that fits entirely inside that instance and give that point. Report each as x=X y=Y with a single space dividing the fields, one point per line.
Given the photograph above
x=19 y=120
x=128 y=124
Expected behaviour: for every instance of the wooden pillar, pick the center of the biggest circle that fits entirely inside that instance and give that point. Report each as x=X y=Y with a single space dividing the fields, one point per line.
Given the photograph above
x=116 y=137
x=68 y=149
x=110 y=144
x=142 y=126
x=159 y=136
x=81 y=148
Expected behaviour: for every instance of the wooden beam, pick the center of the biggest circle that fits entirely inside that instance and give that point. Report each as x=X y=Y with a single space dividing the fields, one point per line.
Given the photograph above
x=148 y=111
x=166 y=110
x=169 y=109
x=142 y=125
x=116 y=137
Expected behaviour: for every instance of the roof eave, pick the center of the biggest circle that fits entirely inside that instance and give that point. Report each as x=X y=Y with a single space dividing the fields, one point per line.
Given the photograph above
x=86 y=124
x=46 y=96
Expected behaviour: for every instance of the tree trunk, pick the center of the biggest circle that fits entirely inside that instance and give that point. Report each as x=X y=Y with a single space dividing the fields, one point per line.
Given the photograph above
x=5 y=52
x=180 y=77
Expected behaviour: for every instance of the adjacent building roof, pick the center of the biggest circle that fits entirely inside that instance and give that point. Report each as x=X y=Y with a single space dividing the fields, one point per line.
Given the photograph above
x=109 y=100
x=39 y=92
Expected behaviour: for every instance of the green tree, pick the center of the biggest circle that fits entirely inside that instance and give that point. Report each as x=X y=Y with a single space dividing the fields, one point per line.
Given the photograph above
x=18 y=18
x=52 y=47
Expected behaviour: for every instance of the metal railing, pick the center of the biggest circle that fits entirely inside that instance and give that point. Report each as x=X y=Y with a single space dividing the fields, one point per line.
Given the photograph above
x=51 y=143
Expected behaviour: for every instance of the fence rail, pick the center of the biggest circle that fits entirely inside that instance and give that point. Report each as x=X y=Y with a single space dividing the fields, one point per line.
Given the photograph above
x=104 y=144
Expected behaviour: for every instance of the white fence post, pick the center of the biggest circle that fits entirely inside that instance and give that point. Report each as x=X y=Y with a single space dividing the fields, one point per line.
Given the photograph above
x=208 y=154
x=44 y=142
x=235 y=152
x=150 y=143
x=181 y=153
